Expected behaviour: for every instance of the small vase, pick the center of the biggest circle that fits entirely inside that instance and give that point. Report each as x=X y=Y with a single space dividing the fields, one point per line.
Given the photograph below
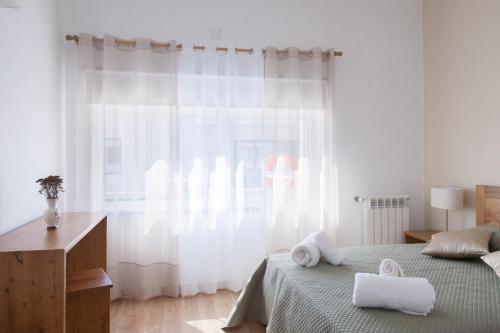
x=51 y=214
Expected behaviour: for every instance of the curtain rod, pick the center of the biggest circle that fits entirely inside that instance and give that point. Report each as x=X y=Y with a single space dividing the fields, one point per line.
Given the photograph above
x=154 y=44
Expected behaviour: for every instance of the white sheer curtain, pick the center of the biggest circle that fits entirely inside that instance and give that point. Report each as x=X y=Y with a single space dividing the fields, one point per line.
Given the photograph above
x=124 y=158
x=220 y=101
x=204 y=161
x=299 y=143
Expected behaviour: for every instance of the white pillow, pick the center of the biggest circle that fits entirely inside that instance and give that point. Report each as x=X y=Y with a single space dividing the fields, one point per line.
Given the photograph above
x=493 y=260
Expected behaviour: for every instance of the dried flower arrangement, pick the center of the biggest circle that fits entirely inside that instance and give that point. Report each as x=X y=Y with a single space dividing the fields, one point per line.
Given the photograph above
x=50 y=186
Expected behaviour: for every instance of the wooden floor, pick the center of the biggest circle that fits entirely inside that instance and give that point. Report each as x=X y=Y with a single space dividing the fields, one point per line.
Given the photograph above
x=200 y=313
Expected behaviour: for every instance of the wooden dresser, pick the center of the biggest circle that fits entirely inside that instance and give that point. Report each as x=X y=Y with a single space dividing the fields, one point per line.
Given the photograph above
x=55 y=280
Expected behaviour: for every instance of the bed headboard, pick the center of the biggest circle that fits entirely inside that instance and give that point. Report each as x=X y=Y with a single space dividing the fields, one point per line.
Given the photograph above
x=487 y=205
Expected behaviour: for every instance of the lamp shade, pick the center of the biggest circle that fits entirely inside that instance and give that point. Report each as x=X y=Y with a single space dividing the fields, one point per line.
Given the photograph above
x=447 y=197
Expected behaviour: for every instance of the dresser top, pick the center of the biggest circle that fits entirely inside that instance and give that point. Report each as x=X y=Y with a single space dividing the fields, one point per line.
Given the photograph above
x=35 y=236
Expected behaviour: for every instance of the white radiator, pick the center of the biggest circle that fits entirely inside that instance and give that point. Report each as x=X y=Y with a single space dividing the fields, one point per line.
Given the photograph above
x=385 y=219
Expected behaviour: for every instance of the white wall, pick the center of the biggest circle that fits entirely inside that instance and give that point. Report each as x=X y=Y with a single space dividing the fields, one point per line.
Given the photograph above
x=30 y=62
x=462 y=100
x=379 y=78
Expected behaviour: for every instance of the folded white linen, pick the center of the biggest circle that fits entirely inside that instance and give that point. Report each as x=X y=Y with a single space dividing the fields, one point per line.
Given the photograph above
x=306 y=253
x=329 y=251
x=389 y=267
x=406 y=294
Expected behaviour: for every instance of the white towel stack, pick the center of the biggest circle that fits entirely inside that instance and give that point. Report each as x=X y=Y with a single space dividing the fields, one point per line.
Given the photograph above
x=410 y=295
x=306 y=253
x=314 y=247
x=391 y=290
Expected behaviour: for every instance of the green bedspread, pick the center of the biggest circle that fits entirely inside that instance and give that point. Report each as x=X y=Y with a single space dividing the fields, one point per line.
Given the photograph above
x=291 y=298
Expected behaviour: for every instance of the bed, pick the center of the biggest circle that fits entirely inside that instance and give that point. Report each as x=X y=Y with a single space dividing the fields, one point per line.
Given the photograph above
x=290 y=298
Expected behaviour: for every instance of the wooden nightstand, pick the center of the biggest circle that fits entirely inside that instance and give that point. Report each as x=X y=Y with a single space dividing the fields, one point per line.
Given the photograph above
x=419 y=236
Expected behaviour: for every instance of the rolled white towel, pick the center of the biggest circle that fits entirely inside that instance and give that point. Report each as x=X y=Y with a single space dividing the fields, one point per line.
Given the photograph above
x=329 y=251
x=306 y=253
x=389 y=267
x=406 y=294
